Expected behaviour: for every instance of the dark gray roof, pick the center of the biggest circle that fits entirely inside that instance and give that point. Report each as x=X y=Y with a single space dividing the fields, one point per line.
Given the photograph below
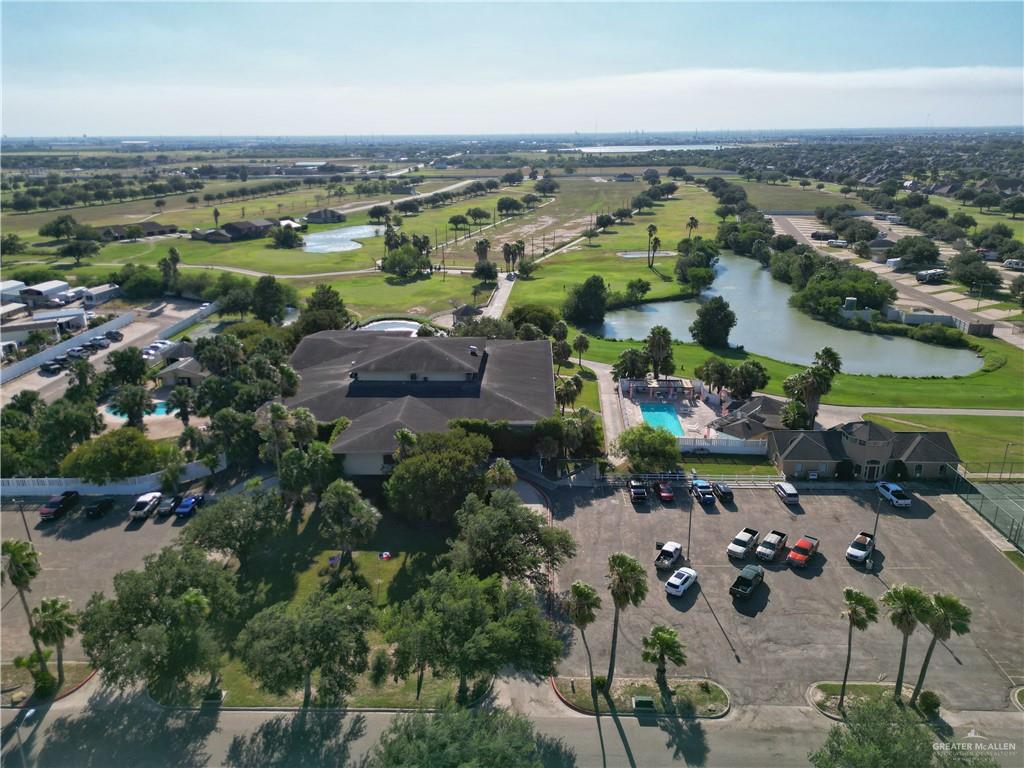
x=924 y=447
x=515 y=383
x=750 y=419
x=806 y=445
x=866 y=430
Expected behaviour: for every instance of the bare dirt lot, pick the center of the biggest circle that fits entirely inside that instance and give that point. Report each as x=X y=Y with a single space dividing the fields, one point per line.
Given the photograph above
x=768 y=649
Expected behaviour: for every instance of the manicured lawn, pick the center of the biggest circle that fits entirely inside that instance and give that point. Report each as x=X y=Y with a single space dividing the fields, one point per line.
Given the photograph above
x=978 y=439
x=1017 y=558
x=686 y=698
x=380 y=294
x=722 y=464
x=15 y=680
x=996 y=385
x=984 y=219
x=589 y=397
x=793 y=197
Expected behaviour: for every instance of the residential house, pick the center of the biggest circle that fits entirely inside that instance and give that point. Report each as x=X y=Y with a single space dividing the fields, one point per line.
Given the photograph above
x=325 y=216
x=211 y=235
x=148 y=228
x=625 y=177
x=750 y=419
x=862 y=450
x=248 y=230
x=383 y=382
x=187 y=372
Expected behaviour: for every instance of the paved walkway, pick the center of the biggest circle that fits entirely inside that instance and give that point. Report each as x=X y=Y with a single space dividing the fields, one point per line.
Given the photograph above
x=611 y=408
x=830 y=415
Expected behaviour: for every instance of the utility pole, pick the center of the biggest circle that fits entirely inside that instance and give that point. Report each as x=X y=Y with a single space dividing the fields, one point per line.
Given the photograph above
x=21 y=510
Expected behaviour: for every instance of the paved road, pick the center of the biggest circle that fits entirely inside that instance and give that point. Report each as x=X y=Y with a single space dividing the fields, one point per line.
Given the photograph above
x=917 y=296
x=95 y=728
x=611 y=409
x=830 y=415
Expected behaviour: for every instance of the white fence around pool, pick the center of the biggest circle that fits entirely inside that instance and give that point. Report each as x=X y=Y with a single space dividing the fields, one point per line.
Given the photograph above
x=49 y=486
x=722 y=445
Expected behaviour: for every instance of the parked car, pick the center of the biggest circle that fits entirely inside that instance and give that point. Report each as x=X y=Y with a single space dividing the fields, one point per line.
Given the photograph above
x=637 y=492
x=189 y=505
x=701 y=491
x=167 y=505
x=787 y=492
x=742 y=543
x=668 y=555
x=145 y=505
x=894 y=494
x=114 y=335
x=860 y=548
x=665 y=492
x=680 y=581
x=56 y=506
x=51 y=368
x=801 y=553
x=771 y=545
x=77 y=353
x=100 y=341
x=61 y=360
x=98 y=508
x=722 y=491
x=747 y=582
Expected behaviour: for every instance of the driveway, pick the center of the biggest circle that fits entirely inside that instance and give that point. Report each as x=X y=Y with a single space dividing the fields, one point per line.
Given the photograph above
x=769 y=649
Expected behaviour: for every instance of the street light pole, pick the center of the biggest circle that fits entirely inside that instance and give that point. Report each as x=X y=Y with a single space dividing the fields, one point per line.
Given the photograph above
x=1005 y=451
x=21 y=509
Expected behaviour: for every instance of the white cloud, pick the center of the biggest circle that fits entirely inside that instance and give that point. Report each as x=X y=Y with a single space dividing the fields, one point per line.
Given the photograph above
x=666 y=100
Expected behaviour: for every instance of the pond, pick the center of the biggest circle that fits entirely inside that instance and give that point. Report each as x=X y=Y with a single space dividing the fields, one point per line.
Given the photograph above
x=340 y=239
x=767 y=325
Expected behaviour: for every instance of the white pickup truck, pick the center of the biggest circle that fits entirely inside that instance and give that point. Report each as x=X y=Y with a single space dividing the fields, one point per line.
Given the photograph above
x=743 y=543
x=668 y=555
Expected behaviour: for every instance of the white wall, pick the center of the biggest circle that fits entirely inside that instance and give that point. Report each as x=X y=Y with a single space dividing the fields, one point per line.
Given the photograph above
x=364 y=463
x=187 y=322
x=48 y=486
x=722 y=445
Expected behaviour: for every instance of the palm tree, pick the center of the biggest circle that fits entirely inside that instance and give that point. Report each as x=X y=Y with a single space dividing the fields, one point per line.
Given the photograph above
x=174 y=257
x=501 y=474
x=55 y=623
x=480 y=248
x=216 y=215
x=861 y=610
x=350 y=517
x=655 y=247
x=582 y=605
x=564 y=393
x=691 y=225
x=661 y=645
x=828 y=358
x=580 y=345
x=651 y=232
x=22 y=565
x=907 y=606
x=627 y=581
x=182 y=401
x=946 y=616
x=133 y=402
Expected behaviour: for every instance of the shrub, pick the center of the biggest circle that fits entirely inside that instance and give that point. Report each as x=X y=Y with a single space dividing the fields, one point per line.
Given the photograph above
x=929 y=703
x=601 y=682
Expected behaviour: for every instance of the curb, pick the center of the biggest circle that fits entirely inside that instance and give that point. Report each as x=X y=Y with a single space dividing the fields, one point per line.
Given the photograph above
x=25 y=704
x=1014 y=693
x=829 y=715
x=655 y=715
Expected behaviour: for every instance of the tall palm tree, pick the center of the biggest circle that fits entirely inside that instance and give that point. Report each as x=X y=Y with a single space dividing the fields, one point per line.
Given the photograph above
x=658 y=346
x=662 y=645
x=582 y=605
x=829 y=359
x=655 y=247
x=627 y=581
x=501 y=474
x=947 y=616
x=580 y=345
x=182 y=401
x=907 y=606
x=860 y=610
x=691 y=225
x=651 y=232
x=563 y=393
x=22 y=565
x=55 y=623
x=133 y=401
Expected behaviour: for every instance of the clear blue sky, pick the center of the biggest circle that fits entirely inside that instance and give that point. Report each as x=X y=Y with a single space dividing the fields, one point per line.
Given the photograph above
x=277 y=68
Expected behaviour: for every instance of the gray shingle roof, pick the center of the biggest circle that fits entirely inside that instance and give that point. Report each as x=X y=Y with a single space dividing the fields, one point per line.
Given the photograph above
x=866 y=430
x=924 y=447
x=806 y=445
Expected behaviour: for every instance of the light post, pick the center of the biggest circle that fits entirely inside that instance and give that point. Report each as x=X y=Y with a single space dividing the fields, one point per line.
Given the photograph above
x=870 y=563
x=1005 y=451
x=21 y=510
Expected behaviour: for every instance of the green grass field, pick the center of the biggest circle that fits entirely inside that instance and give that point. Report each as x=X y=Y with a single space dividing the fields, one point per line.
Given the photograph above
x=380 y=294
x=984 y=219
x=991 y=387
x=792 y=196
x=589 y=397
x=978 y=439
x=559 y=273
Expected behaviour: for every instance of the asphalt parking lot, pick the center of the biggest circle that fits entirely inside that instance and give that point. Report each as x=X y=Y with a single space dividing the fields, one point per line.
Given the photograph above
x=79 y=556
x=767 y=650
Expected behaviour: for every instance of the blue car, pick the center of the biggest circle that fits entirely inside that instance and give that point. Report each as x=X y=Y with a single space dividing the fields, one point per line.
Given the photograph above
x=189 y=505
x=702 y=492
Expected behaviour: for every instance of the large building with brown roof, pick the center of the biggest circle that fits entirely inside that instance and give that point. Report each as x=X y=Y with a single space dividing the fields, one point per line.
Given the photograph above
x=383 y=382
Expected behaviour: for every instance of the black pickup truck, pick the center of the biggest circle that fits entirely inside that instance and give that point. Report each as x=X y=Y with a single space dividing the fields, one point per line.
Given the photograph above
x=747 y=582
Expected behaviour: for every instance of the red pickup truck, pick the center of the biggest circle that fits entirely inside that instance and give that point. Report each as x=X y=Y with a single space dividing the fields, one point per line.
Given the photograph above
x=801 y=553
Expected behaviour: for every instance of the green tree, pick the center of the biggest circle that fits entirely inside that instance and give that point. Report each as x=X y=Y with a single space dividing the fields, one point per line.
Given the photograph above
x=946 y=616
x=813 y=383
x=986 y=200
x=182 y=402
x=127 y=366
x=21 y=566
x=492 y=736
x=560 y=353
x=283 y=648
x=61 y=228
x=636 y=289
x=162 y=625
x=501 y=474
x=504 y=537
x=286 y=237
x=662 y=645
x=78 y=250
x=235 y=524
x=268 y=300
x=134 y=402
x=627 y=582
x=632 y=363
x=649 y=449
x=487 y=271
x=133 y=232
x=860 y=610
x=458 y=221
x=378 y=213
x=715 y=373
x=658 y=348
x=347 y=516
x=319 y=467
x=691 y=224
x=582 y=605
x=480 y=248
x=275 y=430
x=1013 y=205
x=746 y=378
x=55 y=624
x=907 y=606
x=580 y=344
x=114 y=455
x=11 y=245
x=587 y=302
x=714 y=322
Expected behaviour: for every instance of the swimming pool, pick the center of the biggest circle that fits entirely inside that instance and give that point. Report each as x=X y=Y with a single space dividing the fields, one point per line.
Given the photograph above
x=161 y=410
x=662 y=415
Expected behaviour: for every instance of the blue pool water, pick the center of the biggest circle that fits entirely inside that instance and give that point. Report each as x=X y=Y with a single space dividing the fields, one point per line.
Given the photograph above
x=161 y=410
x=662 y=415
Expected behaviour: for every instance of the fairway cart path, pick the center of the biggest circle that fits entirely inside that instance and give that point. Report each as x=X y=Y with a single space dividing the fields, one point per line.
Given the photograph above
x=831 y=415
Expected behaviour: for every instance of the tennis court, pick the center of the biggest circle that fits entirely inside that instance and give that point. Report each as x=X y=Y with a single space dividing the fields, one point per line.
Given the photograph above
x=1001 y=503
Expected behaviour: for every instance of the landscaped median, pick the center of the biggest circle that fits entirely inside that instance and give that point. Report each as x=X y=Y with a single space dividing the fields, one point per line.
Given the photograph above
x=681 y=697
x=825 y=696
x=17 y=683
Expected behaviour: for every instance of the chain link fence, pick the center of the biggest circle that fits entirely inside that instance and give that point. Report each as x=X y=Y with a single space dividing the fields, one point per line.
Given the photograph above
x=996 y=494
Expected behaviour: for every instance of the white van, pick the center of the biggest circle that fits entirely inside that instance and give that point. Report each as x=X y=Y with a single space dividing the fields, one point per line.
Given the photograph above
x=1016 y=264
x=787 y=493
x=837 y=243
